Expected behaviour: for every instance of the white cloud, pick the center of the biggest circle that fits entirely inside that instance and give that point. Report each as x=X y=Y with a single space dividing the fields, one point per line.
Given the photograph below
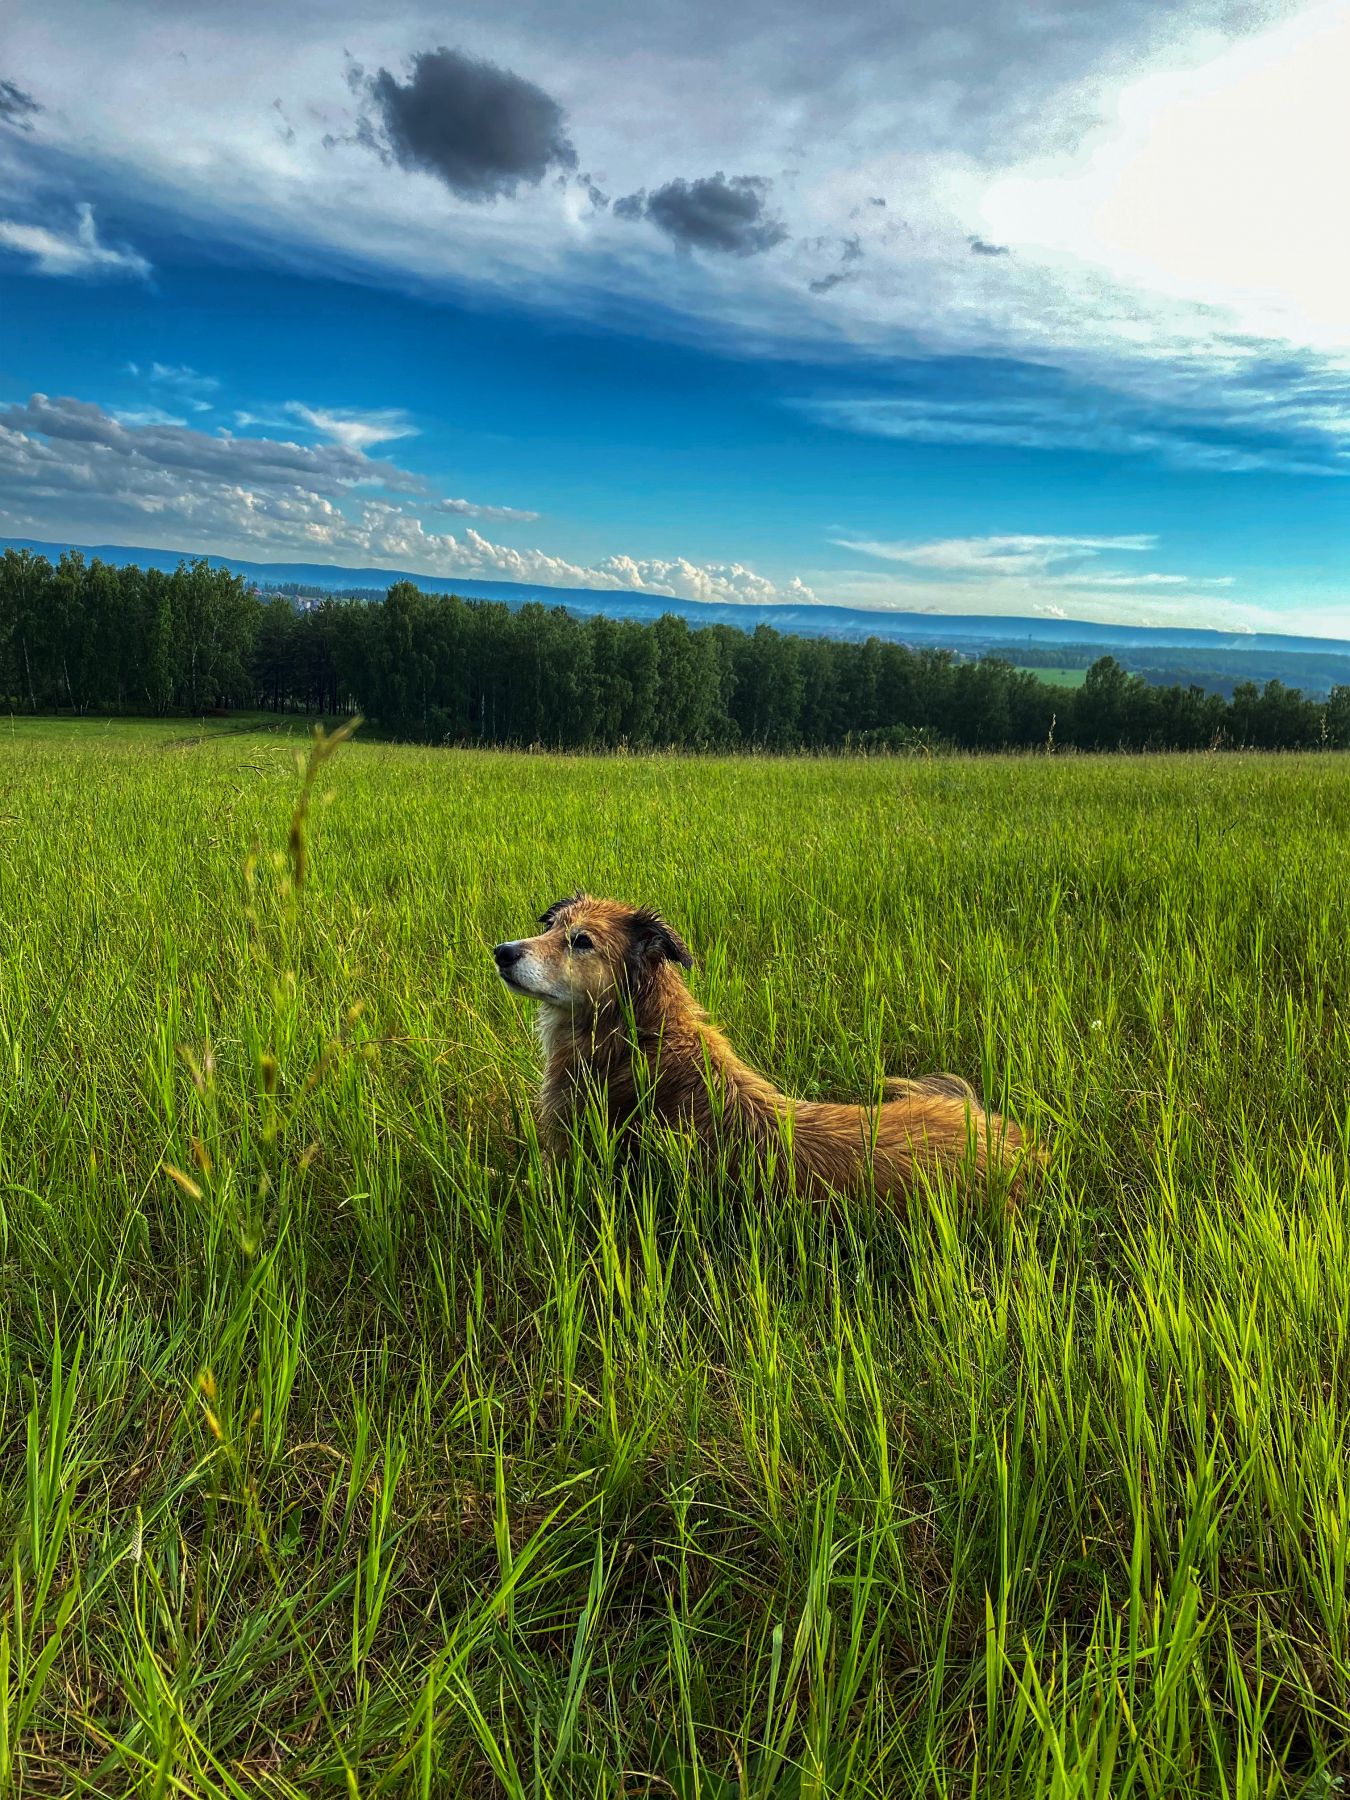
x=1204 y=605
x=475 y=509
x=1060 y=576
x=473 y=554
x=361 y=431
x=158 y=450
x=1215 y=183
x=188 y=385
x=145 y=415
x=357 y=430
x=151 y=463
x=69 y=470
x=1153 y=580
x=78 y=252
x=65 y=460
x=1020 y=555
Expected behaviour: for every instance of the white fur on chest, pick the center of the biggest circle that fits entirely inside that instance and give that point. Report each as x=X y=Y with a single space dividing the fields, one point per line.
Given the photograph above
x=551 y=1025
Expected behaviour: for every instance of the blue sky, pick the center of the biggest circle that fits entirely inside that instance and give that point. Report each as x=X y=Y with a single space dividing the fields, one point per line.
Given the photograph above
x=981 y=308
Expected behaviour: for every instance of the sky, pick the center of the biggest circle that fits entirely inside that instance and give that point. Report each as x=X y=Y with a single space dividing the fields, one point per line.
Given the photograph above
x=982 y=306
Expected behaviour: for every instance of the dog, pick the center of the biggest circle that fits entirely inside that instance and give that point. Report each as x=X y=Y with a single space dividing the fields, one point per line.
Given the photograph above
x=618 y=1023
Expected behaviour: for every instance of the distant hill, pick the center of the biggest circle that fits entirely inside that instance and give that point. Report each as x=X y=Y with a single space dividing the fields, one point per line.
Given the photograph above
x=1215 y=659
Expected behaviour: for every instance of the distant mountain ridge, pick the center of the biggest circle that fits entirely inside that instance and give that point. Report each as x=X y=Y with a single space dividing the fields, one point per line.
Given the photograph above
x=1020 y=635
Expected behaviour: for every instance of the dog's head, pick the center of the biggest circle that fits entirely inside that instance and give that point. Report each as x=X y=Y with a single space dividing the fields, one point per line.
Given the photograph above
x=590 y=952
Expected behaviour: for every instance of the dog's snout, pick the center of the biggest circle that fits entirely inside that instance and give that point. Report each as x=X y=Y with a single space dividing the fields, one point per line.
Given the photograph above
x=506 y=954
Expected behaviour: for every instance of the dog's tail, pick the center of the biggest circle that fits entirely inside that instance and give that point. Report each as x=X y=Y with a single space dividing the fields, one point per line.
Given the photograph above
x=904 y=1087
x=1000 y=1140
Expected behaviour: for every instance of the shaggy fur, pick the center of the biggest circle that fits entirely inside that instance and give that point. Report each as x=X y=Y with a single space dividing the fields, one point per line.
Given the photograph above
x=618 y=1024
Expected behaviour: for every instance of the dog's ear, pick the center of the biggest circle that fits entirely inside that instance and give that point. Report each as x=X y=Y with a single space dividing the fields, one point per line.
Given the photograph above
x=653 y=940
x=550 y=918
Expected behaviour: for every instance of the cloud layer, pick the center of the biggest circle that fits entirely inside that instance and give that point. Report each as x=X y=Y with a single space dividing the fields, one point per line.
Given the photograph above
x=1283 y=414
x=264 y=497
x=71 y=470
x=1004 y=223
x=1019 y=555
x=1058 y=576
x=1080 y=188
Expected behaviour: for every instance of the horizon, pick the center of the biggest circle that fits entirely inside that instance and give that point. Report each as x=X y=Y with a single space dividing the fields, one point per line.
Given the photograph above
x=791 y=618
x=994 y=313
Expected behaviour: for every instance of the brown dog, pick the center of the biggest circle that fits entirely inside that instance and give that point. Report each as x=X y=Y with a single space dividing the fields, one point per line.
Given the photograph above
x=617 y=1022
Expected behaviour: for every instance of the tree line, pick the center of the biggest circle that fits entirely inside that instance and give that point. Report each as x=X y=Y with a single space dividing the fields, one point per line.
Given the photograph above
x=94 y=637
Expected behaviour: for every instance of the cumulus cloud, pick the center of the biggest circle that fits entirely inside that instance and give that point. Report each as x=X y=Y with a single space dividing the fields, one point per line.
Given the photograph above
x=17 y=108
x=360 y=432
x=78 y=251
x=261 y=497
x=157 y=464
x=172 y=449
x=726 y=215
x=480 y=129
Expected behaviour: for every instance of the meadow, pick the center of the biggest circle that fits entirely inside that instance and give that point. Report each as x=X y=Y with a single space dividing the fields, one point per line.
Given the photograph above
x=1064 y=678
x=346 y=1447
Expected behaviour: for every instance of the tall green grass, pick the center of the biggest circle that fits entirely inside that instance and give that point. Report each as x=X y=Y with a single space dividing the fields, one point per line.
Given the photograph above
x=346 y=1448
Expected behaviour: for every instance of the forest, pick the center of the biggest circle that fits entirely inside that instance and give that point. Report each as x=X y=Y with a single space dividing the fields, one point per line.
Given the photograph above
x=90 y=637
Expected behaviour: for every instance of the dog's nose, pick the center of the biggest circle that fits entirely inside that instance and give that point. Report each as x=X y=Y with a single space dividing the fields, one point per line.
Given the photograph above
x=506 y=954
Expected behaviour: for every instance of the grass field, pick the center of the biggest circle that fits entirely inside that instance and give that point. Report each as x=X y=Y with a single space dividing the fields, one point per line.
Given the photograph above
x=346 y=1449
x=1067 y=678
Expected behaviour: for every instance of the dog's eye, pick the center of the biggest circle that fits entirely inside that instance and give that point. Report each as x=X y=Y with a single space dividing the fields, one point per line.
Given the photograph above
x=579 y=941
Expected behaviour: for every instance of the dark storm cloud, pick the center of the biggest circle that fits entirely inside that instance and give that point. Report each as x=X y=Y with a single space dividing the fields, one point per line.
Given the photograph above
x=482 y=129
x=17 y=107
x=727 y=215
